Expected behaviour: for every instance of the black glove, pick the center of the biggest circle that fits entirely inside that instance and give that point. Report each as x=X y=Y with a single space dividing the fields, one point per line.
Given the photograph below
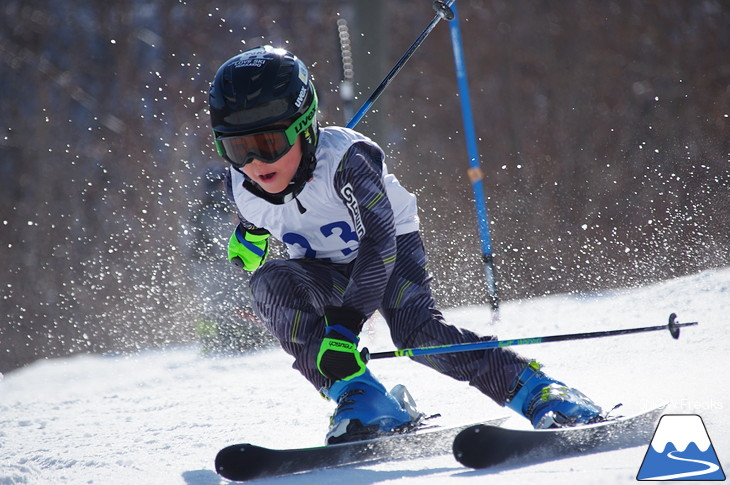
x=338 y=358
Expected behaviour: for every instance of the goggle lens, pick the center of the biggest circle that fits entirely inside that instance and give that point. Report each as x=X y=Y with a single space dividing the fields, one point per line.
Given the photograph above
x=268 y=147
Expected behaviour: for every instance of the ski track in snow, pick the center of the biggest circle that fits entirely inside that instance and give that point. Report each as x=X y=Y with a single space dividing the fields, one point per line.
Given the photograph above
x=159 y=417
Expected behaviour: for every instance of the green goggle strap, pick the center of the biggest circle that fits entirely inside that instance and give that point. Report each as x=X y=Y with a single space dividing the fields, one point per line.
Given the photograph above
x=304 y=121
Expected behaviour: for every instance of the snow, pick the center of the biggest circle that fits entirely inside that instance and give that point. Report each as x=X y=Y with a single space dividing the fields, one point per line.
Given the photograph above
x=159 y=417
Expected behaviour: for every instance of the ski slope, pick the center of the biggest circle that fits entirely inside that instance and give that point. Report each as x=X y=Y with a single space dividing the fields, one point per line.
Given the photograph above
x=159 y=417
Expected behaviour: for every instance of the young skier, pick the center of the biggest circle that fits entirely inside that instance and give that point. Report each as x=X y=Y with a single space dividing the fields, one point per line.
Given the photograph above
x=352 y=236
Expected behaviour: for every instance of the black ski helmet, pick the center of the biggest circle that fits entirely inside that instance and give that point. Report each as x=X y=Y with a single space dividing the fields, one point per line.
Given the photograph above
x=261 y=87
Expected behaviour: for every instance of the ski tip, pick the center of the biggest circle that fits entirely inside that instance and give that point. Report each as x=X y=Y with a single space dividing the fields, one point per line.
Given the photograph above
x=238 y=462
x=469 y=448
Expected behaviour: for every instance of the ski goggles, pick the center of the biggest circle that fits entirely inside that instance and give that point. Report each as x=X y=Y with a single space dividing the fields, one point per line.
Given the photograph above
x=266 y=146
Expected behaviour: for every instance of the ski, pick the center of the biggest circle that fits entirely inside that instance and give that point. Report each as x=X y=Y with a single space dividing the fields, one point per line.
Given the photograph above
x=484 y=445
x=245 y=461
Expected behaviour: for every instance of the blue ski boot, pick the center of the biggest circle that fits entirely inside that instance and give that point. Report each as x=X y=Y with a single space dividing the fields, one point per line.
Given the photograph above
x=365 y=410
x=548 y=403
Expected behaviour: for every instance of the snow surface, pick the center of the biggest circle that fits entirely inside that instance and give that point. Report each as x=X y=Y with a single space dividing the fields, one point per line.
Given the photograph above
x=159 y=417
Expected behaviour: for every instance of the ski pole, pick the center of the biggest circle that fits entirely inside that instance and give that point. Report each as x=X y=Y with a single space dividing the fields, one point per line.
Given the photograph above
x=673 y=327
x=475 y=173
x=443 y=11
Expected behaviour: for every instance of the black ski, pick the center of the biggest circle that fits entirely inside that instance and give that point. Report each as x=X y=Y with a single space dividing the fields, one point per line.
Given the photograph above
x=483 y=445
x=246 y=461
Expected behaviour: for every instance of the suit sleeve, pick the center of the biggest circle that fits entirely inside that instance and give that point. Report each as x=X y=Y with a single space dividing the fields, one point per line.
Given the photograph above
x=359 y=182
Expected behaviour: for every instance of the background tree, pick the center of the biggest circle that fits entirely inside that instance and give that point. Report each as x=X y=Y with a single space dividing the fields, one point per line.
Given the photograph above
x=603 y=129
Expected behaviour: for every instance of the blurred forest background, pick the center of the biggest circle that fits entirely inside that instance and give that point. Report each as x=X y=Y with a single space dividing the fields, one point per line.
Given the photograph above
x=603 y=132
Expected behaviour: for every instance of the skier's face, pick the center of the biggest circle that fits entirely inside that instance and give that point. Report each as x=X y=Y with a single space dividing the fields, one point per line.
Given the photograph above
x=275 y=177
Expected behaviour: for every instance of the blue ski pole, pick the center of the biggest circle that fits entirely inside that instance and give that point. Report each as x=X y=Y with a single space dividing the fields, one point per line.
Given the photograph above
x=474 y=172
x=673 y=327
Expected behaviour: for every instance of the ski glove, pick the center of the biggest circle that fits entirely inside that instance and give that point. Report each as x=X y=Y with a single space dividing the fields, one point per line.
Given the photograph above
x=248 y=248
x=338 y=357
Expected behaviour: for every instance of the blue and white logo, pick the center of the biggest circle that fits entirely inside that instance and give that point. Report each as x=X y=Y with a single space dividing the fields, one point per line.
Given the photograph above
x=681 y=450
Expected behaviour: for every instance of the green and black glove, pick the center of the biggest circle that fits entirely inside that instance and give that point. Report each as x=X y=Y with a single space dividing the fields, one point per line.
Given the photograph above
x=248 y=248
x=338 y=358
